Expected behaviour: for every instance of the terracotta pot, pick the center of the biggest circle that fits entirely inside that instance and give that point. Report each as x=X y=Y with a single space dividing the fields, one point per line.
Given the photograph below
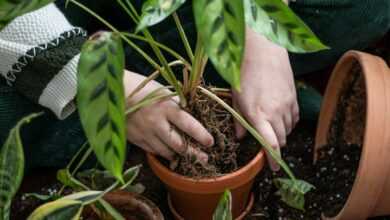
x=370 y=195
x=132 y=206
x=196 y=199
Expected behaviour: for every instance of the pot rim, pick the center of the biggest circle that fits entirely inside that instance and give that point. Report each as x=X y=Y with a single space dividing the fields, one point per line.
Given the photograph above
x=208 y=185
x=372 y=183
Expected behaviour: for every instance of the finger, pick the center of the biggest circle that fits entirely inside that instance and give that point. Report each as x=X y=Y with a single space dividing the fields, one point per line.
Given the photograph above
x=200 y=156
x=288 y=122
x=171 y=138
x=160 y=148
x=266 y=130
x=240 y=130
x=280 y=130
x=185 y=122
x=144 y=146
x=295 y=113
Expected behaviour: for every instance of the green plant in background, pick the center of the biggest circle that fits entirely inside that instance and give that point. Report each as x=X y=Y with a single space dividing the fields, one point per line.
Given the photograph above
x=100 y=96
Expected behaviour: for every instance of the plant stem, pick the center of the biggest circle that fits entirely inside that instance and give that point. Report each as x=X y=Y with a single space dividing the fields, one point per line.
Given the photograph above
x=162 y=46
x=252 y=131
x=167 y=72
x=183 y=36
x=200 y=60
x=148 y=101
x=151 y=77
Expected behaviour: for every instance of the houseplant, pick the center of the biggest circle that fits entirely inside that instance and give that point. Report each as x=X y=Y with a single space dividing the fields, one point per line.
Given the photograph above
x=369 y=195
x=100 y=83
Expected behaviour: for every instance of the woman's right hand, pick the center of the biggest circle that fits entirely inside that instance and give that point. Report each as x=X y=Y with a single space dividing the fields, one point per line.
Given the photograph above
x=156 y=128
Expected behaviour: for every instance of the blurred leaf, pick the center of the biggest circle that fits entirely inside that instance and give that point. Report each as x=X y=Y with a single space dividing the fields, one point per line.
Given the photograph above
x=58 y=210
x=278 y=23
x=66 y=178
x=10 y=9
x=292 y=192
x=12 y=166
x=221 y=26
x=42 y=197
x=155 y=11
x=86 y=197
x=101 y=99
x=224 y=208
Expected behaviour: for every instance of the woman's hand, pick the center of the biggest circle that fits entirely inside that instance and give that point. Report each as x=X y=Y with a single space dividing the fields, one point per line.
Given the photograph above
x=156 y=128
x=268 y=97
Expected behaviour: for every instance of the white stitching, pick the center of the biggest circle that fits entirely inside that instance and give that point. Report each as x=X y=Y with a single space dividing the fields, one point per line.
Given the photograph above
x=26 y=58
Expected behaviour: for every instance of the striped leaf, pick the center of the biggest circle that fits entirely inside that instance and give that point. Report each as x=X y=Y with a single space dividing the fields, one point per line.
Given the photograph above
x=101 y=100
x=221 y=26
x=224 y=208
x=154 y=11
x=59 y=210
x=11 y=166
x=10 y=9
x=292 y=192
x=86 y=197
x=278 y=23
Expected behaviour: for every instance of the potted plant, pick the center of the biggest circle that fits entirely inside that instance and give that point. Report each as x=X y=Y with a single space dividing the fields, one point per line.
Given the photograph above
x=221 y=38
x=367 y=127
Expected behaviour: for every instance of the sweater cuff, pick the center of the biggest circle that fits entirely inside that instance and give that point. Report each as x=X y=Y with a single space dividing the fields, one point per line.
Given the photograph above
x=59 y=94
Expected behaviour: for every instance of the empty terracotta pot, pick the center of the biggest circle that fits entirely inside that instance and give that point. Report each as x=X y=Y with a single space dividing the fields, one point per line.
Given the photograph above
x=370 y=195
x=131 y=205
x=196 y=199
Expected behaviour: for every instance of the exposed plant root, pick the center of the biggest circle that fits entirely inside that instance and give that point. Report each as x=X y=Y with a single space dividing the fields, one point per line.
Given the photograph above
x=220 y=124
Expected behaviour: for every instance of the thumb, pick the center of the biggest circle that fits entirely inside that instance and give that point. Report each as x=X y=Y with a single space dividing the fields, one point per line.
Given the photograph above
x=240 y=130
x=265 y=129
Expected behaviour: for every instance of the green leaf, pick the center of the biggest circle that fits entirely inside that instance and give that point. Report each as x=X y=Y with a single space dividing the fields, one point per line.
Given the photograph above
x=110 y=210
x=42 y=197
x=12 y=166
x=101 y=179
x=278 y=23
x=155 y=11
x=58 y=210
x=224 y=208
x=10 y=9
x=66 y=178
x=221 y=26
x=86 y=197
x=101 y=99
x=292 y=192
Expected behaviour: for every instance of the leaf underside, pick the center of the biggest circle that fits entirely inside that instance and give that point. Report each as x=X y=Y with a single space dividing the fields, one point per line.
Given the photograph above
x=278 y=23
x=292 y=192
x=224 y=208
x=101 y=100
x=221 y=26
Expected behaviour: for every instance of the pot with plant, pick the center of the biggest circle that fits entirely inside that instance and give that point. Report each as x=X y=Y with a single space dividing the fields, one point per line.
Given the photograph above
x=355 y=111
x=192 y=183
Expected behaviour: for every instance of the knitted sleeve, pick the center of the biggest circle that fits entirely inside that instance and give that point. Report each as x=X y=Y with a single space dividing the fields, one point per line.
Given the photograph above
x=39 y=52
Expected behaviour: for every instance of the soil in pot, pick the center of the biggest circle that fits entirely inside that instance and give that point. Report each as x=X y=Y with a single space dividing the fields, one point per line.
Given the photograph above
x=227 y=155
x=333 y=174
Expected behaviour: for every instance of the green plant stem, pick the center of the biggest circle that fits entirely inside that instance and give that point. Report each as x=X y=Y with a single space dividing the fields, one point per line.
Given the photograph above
x=160 y=45
x=148 y=101
x=151 y=77
x=252 y=131
x=197 y=66
x=77 y=155
x=167 y=72
x=183 y=36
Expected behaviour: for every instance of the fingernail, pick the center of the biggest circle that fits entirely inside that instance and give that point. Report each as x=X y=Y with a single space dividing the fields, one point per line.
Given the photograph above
x=210 y=142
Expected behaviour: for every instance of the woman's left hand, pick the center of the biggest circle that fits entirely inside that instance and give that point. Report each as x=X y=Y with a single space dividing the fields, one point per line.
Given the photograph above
x=268 y=96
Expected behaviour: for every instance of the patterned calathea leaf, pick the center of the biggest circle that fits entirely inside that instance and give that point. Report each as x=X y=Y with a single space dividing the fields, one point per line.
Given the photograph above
x=101 y=101
x=10 y=9
x=154 y=11
x=11 y=166
x=221 y=26
x=224 y=208
x=278 y=23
